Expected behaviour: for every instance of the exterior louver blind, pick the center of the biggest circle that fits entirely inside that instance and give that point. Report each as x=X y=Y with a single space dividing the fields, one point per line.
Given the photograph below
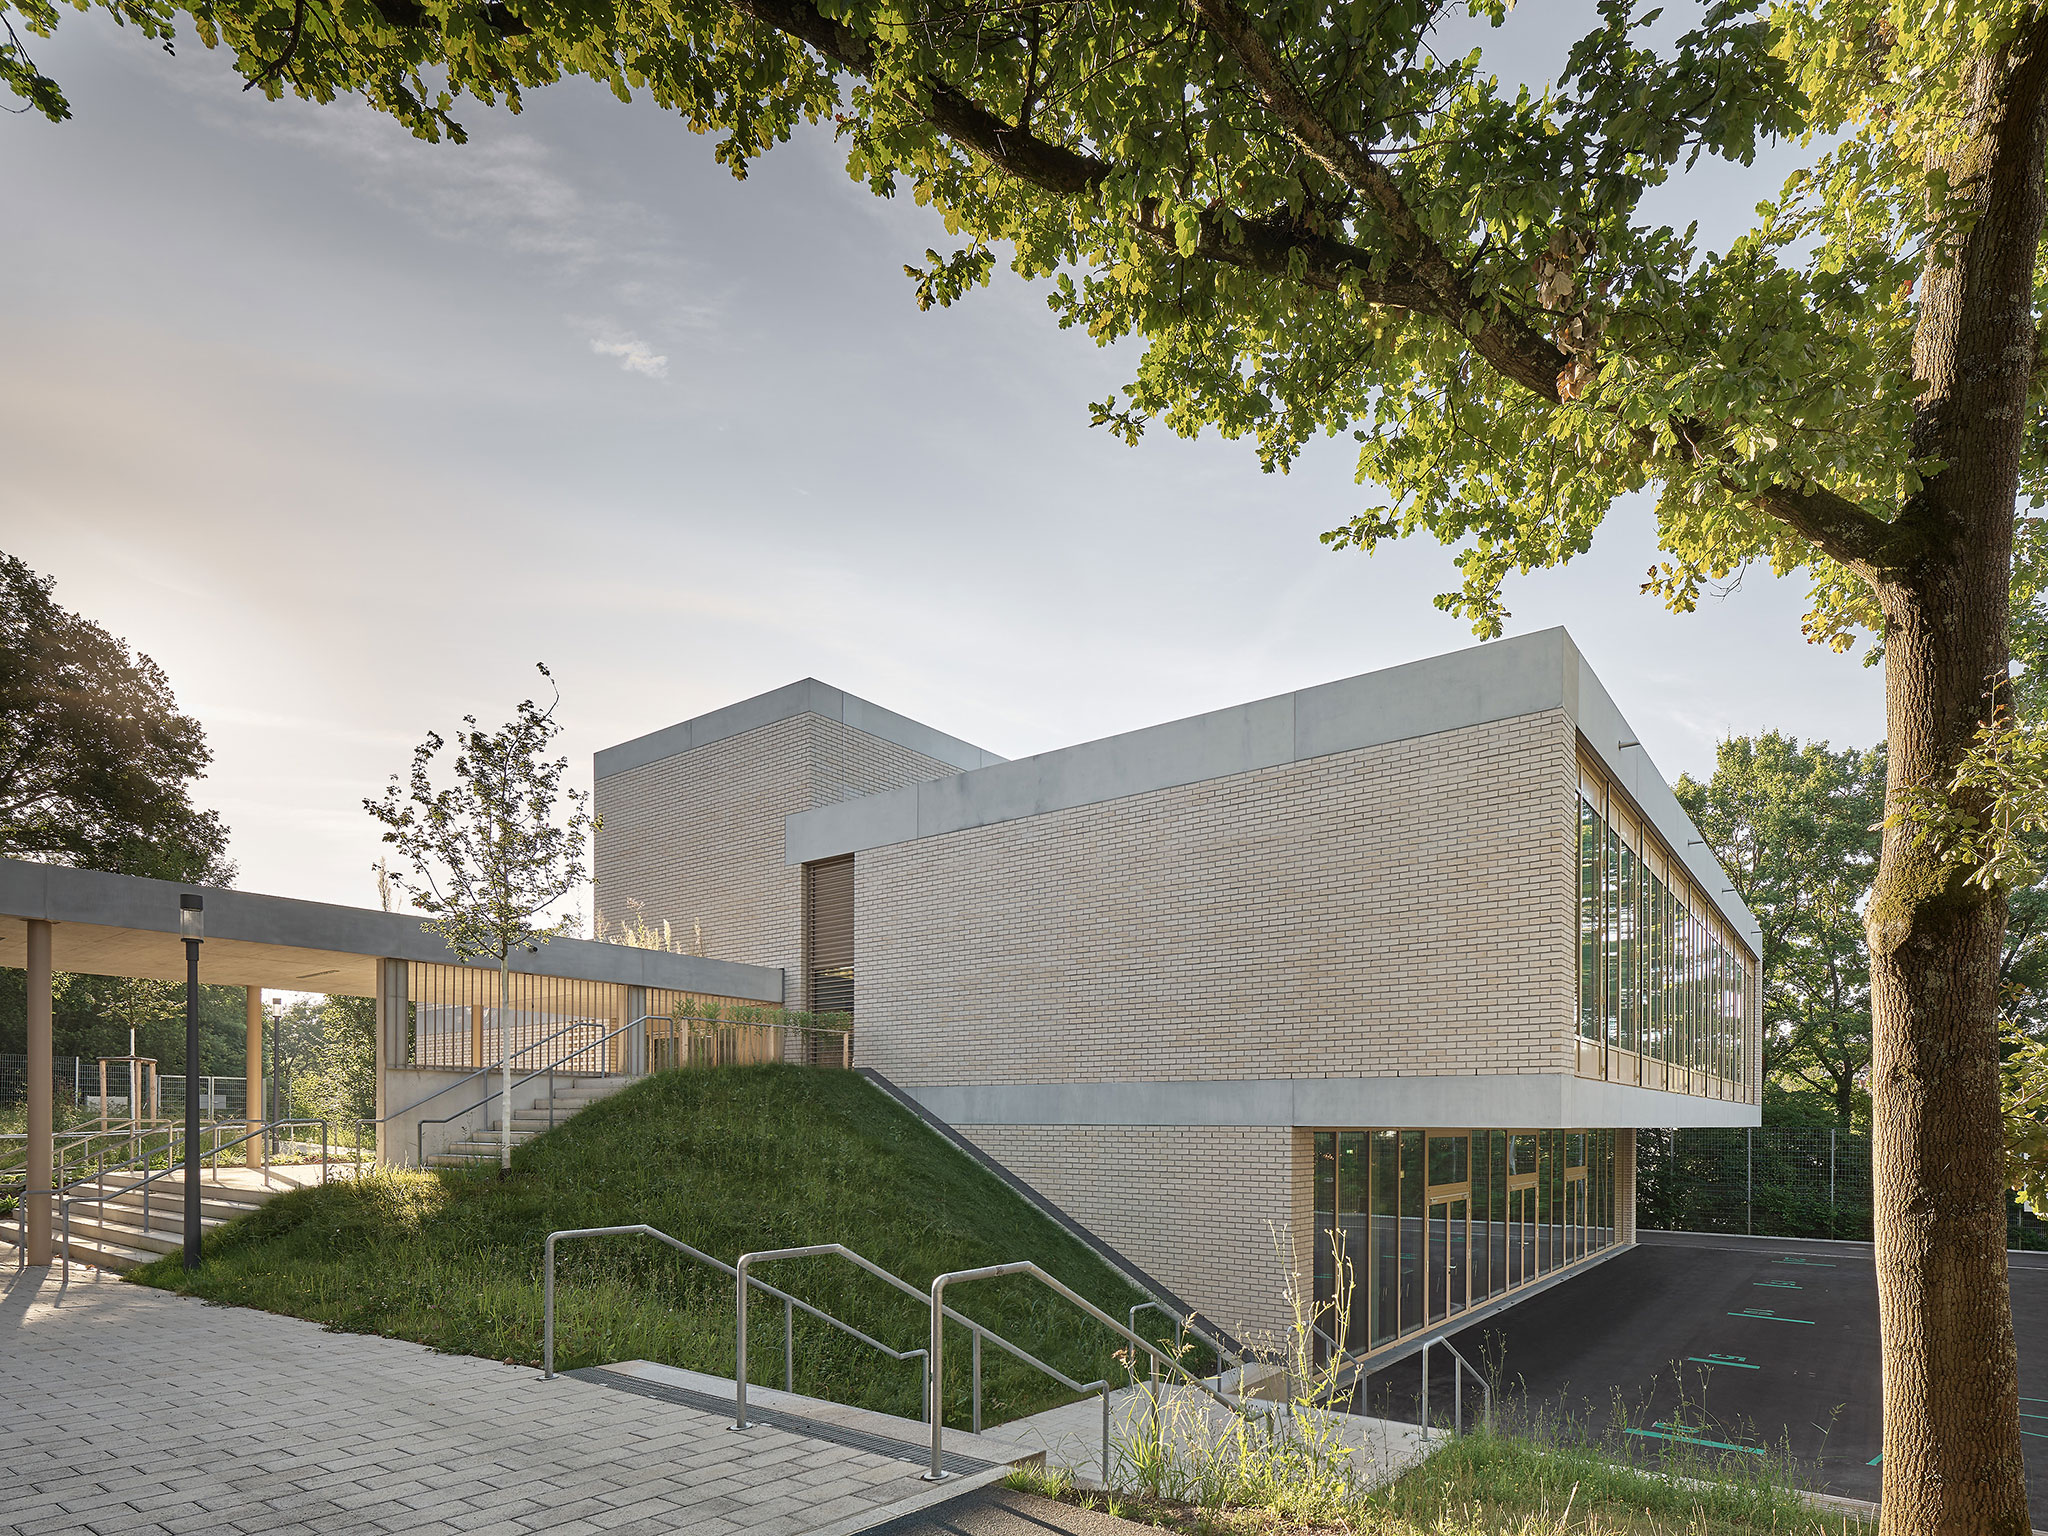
x=828 y=903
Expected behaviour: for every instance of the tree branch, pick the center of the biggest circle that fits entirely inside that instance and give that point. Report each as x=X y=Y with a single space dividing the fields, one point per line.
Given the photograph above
x=1421 y=279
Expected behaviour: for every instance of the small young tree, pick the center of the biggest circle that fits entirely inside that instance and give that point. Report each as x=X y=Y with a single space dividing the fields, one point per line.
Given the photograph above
x=488 y=853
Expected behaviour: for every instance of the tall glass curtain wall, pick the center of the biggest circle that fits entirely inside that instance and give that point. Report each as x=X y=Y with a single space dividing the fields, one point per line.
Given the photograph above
x=1657 y=974
x=1414 y=1227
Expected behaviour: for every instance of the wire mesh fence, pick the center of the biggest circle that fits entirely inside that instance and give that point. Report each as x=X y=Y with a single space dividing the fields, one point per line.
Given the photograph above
x=71 y=1079
x=1770 y=1181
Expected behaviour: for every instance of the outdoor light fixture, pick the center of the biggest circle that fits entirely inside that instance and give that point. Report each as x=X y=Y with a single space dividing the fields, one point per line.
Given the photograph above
x=192 y=925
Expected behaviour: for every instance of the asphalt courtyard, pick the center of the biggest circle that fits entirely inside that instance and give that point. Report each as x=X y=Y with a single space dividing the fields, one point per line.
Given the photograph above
x=1727 y=1345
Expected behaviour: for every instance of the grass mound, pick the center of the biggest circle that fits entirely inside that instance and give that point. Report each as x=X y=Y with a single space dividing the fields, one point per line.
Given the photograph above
x=728 y=1160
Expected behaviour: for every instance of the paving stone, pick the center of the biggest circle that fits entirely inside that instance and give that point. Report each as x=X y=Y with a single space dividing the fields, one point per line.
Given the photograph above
x=259 y=1425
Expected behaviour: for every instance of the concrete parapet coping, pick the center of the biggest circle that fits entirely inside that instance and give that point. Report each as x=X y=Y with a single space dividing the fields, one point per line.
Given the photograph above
x=805 y=697
x=1502 y=680
x=123 y=925
x=1500 y=1101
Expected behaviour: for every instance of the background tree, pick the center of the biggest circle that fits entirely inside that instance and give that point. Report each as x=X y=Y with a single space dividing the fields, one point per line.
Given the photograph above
x=1795 y=827
x=487 y=854
x=96 y=761
x=327 y=1052
x=1319 y=222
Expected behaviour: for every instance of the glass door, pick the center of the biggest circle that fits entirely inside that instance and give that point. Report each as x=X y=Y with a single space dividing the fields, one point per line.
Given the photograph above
x=1457 y=1267
x=1439 y=1258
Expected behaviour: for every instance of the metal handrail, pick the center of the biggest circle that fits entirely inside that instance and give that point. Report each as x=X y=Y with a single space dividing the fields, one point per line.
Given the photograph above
x=938 y=1472
x=977 y=1331
x=741 y=1281
x=1457 y=1389
x=420 y=1129
x=791 y=1305
x=66 y=1201
x=1186 y=1324
x=494 y=1066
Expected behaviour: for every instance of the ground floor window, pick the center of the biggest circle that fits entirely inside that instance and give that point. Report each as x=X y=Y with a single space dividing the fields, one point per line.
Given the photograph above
x=1414 y=1227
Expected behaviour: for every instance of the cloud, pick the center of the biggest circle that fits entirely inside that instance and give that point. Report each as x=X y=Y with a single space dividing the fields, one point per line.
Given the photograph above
x=634 y=355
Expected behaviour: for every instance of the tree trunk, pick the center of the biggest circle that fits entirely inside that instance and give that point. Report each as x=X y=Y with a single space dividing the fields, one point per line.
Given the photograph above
x=1952 y=1460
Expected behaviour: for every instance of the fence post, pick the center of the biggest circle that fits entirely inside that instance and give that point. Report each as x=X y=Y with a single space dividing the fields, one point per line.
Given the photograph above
x=1749 y=1181
x=1831 y=1182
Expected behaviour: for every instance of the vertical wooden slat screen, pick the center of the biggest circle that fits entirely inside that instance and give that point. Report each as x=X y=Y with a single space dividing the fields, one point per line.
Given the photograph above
x=828 y=935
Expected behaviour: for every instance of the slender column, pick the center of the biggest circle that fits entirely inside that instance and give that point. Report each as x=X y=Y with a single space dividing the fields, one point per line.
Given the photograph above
x=252 y=1067
x=41 y=1112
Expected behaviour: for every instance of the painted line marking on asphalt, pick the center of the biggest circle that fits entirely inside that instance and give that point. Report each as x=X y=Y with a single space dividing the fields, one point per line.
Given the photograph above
x=1813 y=1263
x=1875 y=1459
x=1740 y=1362
x=1780 y=1285
x=1716 y=1445
x=1766 y=1315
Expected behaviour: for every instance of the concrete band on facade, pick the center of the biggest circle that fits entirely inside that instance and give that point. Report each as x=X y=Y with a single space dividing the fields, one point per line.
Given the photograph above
x=806 y=697
x=1523 y=1101
x=123 y=925
x=1498 y=681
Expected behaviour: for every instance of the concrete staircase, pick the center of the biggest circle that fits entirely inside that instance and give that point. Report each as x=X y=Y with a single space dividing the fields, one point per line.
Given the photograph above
x=571 y=1094
x=125 y=1226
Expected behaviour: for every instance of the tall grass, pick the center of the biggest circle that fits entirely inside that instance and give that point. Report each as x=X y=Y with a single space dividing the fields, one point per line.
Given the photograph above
x=730 y=1160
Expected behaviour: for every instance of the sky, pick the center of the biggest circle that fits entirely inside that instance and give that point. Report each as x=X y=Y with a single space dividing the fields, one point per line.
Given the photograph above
x=348 y=431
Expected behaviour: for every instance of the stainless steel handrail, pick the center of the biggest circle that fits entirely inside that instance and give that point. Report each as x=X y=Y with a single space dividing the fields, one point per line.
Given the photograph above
x=741 y=1281
x=420 y=1129
x=975 y=1330
x=791 y=1305
x=66 y=1200
x=936 y=1412
x=1186 y=1324
x=485 y=1071
x=1457 y=1389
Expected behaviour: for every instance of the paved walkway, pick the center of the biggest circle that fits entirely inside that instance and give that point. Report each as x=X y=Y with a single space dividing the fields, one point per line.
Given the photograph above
x=131 y=1412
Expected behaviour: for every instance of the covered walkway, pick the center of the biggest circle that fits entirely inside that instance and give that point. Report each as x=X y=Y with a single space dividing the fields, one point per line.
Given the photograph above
x=437 y=1019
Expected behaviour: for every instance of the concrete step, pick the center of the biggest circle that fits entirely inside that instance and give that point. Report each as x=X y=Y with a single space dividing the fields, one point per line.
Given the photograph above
x=161 y=1198
x=210 y=1188
x=107 y=1254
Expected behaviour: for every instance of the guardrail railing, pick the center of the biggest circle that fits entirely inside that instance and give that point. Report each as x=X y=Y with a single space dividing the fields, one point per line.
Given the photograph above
x=1458 y=1374
x=744 y=1282
x=934 y=1413
x=66 y=1196
x=975 y=1330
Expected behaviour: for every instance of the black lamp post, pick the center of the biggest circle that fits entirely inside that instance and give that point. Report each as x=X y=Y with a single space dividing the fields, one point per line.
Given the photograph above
x=192 y=924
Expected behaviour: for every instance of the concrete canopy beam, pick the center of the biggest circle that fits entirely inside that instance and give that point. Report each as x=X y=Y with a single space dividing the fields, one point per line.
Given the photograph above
x=1504 y=1101
x=120 y=925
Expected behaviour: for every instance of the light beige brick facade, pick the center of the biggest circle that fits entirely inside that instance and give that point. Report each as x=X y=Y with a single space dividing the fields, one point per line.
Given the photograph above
x=1405 y=909
x=695 y=840
x=1211 y=1211
x=1141 y=973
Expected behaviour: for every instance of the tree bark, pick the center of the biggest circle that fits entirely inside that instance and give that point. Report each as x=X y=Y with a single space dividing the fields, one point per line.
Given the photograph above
x=1952 y=1459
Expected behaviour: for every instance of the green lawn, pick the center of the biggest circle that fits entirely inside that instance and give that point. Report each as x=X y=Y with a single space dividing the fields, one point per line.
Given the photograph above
x=729 y=1160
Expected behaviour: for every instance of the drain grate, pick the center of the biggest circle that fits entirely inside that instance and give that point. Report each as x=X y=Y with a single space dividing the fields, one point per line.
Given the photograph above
x=795 y=1424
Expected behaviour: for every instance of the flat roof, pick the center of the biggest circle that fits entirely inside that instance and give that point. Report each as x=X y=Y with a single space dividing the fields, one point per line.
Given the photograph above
x=807 y=696
x=1498 y=680
x=122 y=925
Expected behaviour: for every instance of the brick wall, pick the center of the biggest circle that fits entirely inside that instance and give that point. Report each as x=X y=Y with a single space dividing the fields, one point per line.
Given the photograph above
x=1210 y=1211
x=1401 y=909
x=697 y=838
